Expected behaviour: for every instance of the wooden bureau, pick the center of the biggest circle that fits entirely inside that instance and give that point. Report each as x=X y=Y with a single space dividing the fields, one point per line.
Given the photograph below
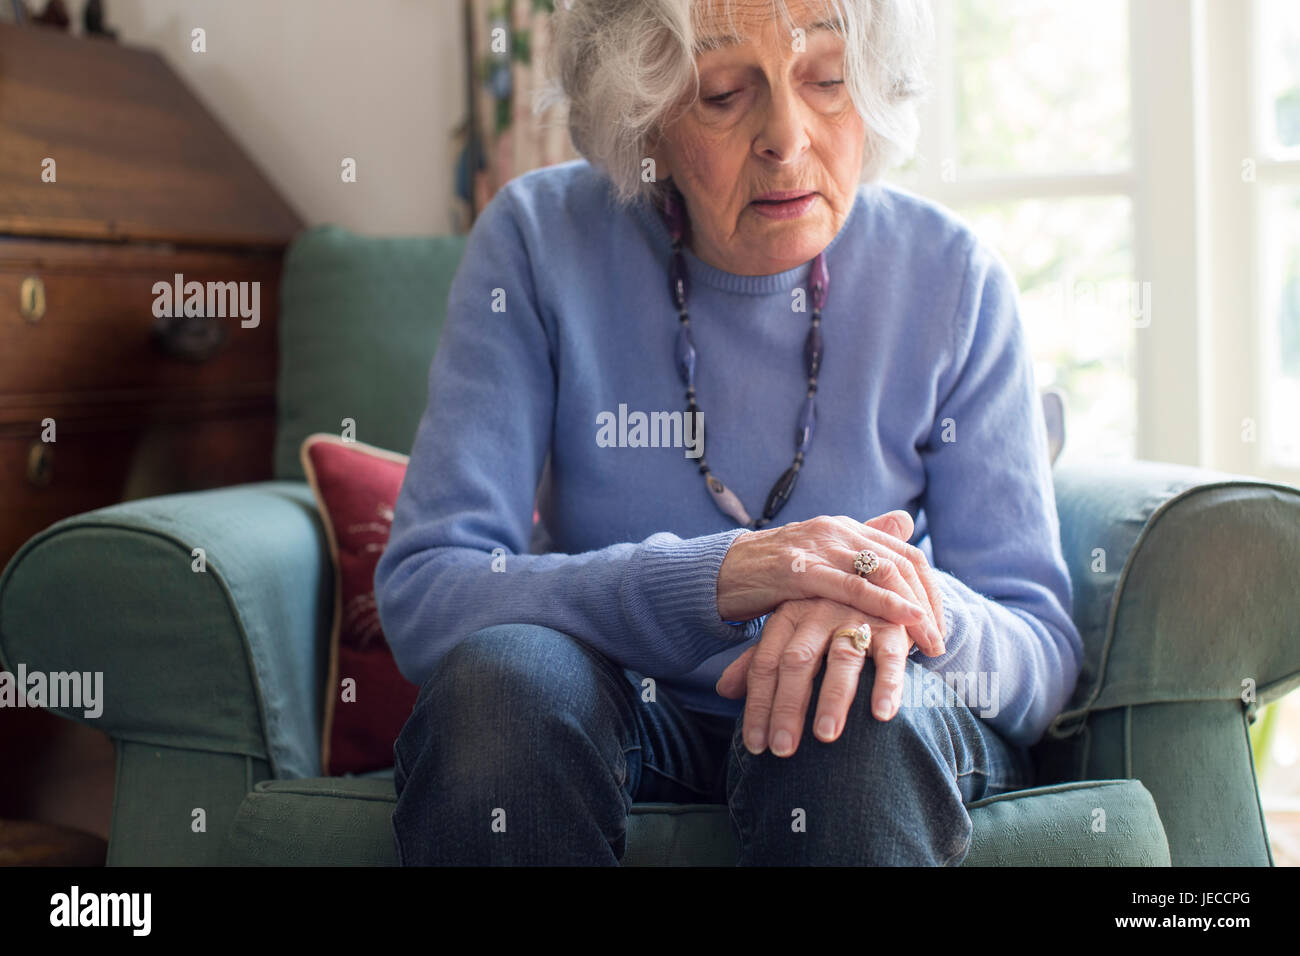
x=147 y=186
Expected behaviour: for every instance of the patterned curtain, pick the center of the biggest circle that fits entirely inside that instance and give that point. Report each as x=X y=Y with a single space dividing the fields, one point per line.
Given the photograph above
x=507 y=44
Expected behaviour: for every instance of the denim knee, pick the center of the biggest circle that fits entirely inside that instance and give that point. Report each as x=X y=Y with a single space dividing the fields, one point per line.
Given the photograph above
x=882 y=793
x=523 y=726
x=510 y=676
x=924 y=721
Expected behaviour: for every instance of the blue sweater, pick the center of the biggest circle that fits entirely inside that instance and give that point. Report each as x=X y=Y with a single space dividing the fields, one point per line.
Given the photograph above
x=560 y=327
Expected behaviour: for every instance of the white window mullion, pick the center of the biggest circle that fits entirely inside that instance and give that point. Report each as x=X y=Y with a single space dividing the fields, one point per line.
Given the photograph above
x=1168 y=228
x=937 y=139
x=982 y=189
x=1235 y=414
x=946 y=79
x=1279 y=171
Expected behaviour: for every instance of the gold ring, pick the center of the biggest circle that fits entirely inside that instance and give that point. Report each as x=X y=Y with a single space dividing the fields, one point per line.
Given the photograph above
x=860 y=636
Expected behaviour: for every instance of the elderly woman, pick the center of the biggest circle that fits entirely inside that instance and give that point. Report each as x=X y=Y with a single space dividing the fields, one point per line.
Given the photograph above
x=846 y=615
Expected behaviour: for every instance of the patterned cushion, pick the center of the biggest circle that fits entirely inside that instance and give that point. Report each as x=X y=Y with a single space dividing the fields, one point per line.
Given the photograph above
x=367 y=700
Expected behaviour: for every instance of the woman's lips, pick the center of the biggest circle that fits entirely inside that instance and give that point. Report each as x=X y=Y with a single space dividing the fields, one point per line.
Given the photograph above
x=784 y=208
x=779 y=195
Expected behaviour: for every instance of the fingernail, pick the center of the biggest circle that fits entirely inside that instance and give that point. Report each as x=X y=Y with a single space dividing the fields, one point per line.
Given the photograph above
x=782 y=743
x=755 y=740
x=826 y=726
x=936 y=637
x=882 y=709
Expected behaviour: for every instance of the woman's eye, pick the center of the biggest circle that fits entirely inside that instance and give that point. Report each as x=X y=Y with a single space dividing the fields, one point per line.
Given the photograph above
x=722 y=99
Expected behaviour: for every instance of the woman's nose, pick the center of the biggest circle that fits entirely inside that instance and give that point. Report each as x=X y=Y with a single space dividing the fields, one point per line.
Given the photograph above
x=783 y=135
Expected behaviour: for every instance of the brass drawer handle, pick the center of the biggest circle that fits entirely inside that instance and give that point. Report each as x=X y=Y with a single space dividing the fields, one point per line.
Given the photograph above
x=40 y=464
x=31 y=299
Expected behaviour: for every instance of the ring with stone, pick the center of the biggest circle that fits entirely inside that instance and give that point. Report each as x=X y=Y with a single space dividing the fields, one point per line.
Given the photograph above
x=860 y=636
x=865 y=563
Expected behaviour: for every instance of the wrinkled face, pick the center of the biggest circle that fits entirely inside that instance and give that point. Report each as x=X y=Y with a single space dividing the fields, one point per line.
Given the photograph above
x=772 y=121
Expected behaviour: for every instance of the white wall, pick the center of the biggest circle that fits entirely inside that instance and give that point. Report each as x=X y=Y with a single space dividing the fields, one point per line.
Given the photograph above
x=301 y=84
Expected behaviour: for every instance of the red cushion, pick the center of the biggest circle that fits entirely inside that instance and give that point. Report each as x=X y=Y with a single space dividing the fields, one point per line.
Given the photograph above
x=356 y=487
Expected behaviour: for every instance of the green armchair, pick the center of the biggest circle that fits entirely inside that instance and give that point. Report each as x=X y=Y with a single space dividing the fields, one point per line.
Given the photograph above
x=1184 y=594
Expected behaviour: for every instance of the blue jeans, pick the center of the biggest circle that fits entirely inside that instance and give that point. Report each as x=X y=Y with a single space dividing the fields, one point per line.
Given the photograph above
x=528 y=747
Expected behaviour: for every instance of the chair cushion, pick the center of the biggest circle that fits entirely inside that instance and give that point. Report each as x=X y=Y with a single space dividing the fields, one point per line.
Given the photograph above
x=341 y=821
x=360 y=318
x=1087 y=823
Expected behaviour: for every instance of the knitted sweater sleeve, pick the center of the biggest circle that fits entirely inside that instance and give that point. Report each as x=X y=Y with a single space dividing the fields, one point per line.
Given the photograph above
x=991 y=511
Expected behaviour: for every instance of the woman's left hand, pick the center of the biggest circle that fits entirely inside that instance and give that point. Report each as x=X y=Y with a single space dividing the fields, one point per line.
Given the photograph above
x=776 y=674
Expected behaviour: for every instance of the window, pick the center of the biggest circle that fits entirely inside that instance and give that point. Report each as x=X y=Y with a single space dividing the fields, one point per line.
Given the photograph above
x=1137 y=165
x=1027 y=135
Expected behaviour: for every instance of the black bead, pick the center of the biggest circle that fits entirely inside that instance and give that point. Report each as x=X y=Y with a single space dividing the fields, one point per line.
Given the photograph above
x=812 y=351
x=678 y=283
x=803 y=433
x=685 y=355
x=780 y=492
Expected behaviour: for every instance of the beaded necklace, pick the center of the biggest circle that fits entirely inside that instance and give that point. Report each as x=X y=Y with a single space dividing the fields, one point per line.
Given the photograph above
x=818 y=282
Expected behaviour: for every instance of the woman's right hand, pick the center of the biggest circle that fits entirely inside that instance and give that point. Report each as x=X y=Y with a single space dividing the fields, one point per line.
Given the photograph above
x=814 y=559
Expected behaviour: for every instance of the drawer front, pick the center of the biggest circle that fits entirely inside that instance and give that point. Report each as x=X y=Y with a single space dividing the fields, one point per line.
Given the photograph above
x=72 y=327
x=93 y=465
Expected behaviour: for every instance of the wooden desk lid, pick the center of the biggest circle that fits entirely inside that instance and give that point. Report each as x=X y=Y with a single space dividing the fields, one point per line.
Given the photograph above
x=138 y=156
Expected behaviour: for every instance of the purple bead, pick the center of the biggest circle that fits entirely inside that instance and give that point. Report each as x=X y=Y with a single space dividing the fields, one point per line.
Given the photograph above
x=685 y=356
x=727 y=501
x=678 y=282
x=807 y=424
x=676 y=216
x=819 y=281
x=812 y=351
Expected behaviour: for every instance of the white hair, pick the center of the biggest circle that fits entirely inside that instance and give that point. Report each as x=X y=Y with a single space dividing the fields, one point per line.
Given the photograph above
x=620 y=66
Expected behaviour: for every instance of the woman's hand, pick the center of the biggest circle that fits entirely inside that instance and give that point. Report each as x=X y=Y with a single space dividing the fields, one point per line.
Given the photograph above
x=777 y=673
x=814 y=559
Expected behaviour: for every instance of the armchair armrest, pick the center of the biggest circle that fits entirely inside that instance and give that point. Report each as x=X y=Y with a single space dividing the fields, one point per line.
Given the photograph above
x=230 y=659
x=1184 y=585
